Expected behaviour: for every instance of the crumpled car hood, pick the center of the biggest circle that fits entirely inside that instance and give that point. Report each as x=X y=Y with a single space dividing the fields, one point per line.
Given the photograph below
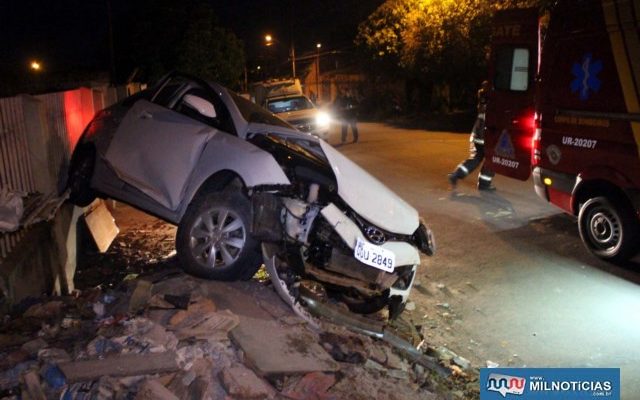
x=366 y=195
x=257 y=128
x=369 y=197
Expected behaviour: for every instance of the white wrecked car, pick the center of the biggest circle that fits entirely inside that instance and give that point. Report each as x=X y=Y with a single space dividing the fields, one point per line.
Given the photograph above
x=233 y=177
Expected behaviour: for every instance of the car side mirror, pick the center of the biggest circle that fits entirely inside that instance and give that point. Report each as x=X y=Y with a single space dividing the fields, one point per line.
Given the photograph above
x=201 y=105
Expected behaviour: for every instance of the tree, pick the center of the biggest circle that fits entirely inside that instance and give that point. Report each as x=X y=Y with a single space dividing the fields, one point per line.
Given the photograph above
x=434 y=42
x=210 y=51
x=185 y=36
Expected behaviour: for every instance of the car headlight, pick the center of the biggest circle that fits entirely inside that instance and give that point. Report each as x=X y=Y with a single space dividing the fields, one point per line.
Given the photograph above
x=423 y=237
x=323 y=119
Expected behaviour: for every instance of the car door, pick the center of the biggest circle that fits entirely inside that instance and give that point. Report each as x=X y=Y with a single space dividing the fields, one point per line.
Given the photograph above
x=155 y=148
x=510 y=123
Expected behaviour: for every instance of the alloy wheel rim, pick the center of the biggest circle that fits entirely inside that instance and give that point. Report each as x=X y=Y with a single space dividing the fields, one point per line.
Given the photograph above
x=217 y=237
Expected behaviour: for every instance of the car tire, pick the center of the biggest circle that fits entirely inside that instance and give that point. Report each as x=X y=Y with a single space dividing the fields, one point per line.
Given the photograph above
x=609 y=229
x=80 y=174
x=214 y=239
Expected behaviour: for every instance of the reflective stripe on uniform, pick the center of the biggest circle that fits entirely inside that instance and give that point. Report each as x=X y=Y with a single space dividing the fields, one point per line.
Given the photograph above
x=485 y=177
x=478 y=141
x=463 y=169
x=481 y=116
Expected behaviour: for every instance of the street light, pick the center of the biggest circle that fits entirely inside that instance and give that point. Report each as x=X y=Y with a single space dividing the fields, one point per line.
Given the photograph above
x=35 y=65
x=269 y=40
x=318 y=45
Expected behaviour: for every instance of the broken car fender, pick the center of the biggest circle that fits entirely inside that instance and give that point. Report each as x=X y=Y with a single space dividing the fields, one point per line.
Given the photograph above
x=229 y=153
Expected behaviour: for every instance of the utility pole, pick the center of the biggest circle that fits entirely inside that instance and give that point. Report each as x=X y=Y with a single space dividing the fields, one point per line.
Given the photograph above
x=111 y=52
x=291 y=35
x=318 y=45
x=293 y=59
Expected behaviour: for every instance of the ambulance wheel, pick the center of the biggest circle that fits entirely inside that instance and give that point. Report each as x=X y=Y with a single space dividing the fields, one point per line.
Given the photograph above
x=609 y=228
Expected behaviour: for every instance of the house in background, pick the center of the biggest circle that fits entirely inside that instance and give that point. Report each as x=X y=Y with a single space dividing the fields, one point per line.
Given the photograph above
x=327 y=72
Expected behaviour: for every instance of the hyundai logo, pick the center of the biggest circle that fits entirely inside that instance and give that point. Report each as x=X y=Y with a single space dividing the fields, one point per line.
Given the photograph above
x=375 y=235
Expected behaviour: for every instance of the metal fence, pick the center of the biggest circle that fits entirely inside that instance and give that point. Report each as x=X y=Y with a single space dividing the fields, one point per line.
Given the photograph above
x=15 y=165
x=37 y=136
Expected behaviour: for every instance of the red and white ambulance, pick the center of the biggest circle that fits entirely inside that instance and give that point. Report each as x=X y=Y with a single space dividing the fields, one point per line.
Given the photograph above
x=565 y=106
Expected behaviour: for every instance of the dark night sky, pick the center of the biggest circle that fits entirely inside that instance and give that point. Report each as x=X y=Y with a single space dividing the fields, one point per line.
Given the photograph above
x=68 y=34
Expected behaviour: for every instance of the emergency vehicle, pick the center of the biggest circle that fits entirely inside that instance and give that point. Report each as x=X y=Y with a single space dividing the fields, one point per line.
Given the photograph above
x=565 y=106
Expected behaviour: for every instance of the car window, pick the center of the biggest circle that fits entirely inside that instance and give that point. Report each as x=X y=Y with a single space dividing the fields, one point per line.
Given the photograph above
x=289 y=104
x=512 y=69
x=221 y=121
x=252 y=112
x=166 y=95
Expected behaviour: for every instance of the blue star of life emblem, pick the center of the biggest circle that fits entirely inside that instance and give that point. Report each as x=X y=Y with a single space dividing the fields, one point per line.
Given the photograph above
x=586 y=79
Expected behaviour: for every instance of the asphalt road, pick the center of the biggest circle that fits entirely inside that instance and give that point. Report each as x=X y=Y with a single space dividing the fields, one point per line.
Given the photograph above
x=511 y=281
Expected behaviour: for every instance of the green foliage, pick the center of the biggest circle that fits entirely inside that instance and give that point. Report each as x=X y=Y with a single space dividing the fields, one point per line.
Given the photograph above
x=209 y=51
x=184 y=36
x=435 y=42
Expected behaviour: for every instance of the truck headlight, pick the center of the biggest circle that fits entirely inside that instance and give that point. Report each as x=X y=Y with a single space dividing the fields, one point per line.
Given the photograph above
x=323 y=119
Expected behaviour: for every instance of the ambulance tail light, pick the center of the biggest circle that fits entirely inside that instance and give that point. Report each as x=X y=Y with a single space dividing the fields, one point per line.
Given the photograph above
x=536 y=152
x=526 y=123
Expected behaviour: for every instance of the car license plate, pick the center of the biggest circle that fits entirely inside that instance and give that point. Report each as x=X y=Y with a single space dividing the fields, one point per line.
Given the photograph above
x=374 y=256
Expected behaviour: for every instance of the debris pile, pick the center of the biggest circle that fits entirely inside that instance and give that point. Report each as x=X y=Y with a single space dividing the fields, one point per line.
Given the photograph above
x=138 y=328
x=168 y=336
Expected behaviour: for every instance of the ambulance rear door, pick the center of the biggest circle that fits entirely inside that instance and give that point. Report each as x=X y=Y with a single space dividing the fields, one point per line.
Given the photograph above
x=513 y=64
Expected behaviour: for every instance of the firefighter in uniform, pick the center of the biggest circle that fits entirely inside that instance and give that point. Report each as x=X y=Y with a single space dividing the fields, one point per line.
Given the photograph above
x=476 y=147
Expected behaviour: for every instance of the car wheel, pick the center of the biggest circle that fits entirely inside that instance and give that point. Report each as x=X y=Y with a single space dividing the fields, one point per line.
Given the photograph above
x=609 y=229
x=80 y=173
x=213 y=239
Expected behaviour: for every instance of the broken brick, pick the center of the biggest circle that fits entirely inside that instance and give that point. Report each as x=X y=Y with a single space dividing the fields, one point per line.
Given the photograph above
x=141 y=296
x=211 y=326
x=121 y=365
x=193 y=313
x=393 y=360
x=44 y=310
x=32 y=347
x=239 y=381
x=154 y=390
x=312 y=386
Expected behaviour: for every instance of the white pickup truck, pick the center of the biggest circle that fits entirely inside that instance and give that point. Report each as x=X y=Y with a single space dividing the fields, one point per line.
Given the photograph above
x=286 y=99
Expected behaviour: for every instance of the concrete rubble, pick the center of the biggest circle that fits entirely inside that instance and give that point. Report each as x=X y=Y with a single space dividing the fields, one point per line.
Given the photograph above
x=156 y=333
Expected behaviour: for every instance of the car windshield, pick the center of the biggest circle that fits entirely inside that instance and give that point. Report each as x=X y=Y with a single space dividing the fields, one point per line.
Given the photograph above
x=289 y=104
x=251 y=112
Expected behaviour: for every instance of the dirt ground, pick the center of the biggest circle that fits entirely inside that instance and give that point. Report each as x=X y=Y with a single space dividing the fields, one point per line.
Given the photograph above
x=138 y=327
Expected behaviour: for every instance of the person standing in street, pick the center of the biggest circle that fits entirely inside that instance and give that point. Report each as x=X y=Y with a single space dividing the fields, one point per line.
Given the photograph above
x=476 y=148
x=347 y=110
